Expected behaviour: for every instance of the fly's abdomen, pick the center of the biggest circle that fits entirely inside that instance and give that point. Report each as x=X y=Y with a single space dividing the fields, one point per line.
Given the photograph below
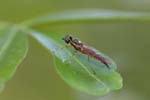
x=102 y=59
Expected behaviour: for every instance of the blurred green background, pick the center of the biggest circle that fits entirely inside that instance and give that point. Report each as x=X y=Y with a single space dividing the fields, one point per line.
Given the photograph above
x=128 y=43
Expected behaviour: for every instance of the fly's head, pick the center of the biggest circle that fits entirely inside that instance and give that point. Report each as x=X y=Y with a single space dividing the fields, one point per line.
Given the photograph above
x=67 y=39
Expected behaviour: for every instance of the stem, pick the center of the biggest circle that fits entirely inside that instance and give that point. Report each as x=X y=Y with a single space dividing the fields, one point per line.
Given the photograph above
x=88 y=16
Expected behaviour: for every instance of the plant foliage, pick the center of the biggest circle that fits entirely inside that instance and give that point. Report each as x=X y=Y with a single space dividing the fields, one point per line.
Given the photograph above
x=92 y=77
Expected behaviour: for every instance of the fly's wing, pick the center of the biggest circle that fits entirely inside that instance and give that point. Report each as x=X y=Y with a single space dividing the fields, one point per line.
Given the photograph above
x=97 y=55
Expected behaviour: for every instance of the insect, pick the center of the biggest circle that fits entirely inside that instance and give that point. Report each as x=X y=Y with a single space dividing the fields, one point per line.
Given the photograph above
x=84 y=49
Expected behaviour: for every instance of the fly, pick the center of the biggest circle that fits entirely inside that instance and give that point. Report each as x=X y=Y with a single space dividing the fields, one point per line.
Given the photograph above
x=84 y=49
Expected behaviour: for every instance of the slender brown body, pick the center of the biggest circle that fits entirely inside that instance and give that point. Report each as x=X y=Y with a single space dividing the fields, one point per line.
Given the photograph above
x=84 y=49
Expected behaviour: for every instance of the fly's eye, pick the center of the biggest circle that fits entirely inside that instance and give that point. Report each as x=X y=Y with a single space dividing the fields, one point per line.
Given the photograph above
x=70 y=37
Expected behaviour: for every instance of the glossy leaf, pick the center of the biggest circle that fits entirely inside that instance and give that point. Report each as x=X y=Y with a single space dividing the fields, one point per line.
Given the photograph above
x=92 y=77
x=13 y=48
x=90 y=15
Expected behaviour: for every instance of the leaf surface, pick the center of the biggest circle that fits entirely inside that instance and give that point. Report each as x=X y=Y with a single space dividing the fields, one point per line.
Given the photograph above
x=92 y=77
x=13 y=48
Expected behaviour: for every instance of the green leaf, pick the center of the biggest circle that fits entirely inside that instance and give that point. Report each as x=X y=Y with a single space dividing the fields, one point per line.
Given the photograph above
x=91 y=15
x=92 y=77
x=13 y=48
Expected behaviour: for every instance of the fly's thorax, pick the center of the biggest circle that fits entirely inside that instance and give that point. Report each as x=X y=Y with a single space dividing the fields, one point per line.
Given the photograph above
x=76 y=46
x=77 y=41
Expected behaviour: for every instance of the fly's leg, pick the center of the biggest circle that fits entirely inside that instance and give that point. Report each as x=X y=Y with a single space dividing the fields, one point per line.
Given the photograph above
x=88 y=58
x=66 y=46
x=91 y=67
x=61 y=48
x=71 y=56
